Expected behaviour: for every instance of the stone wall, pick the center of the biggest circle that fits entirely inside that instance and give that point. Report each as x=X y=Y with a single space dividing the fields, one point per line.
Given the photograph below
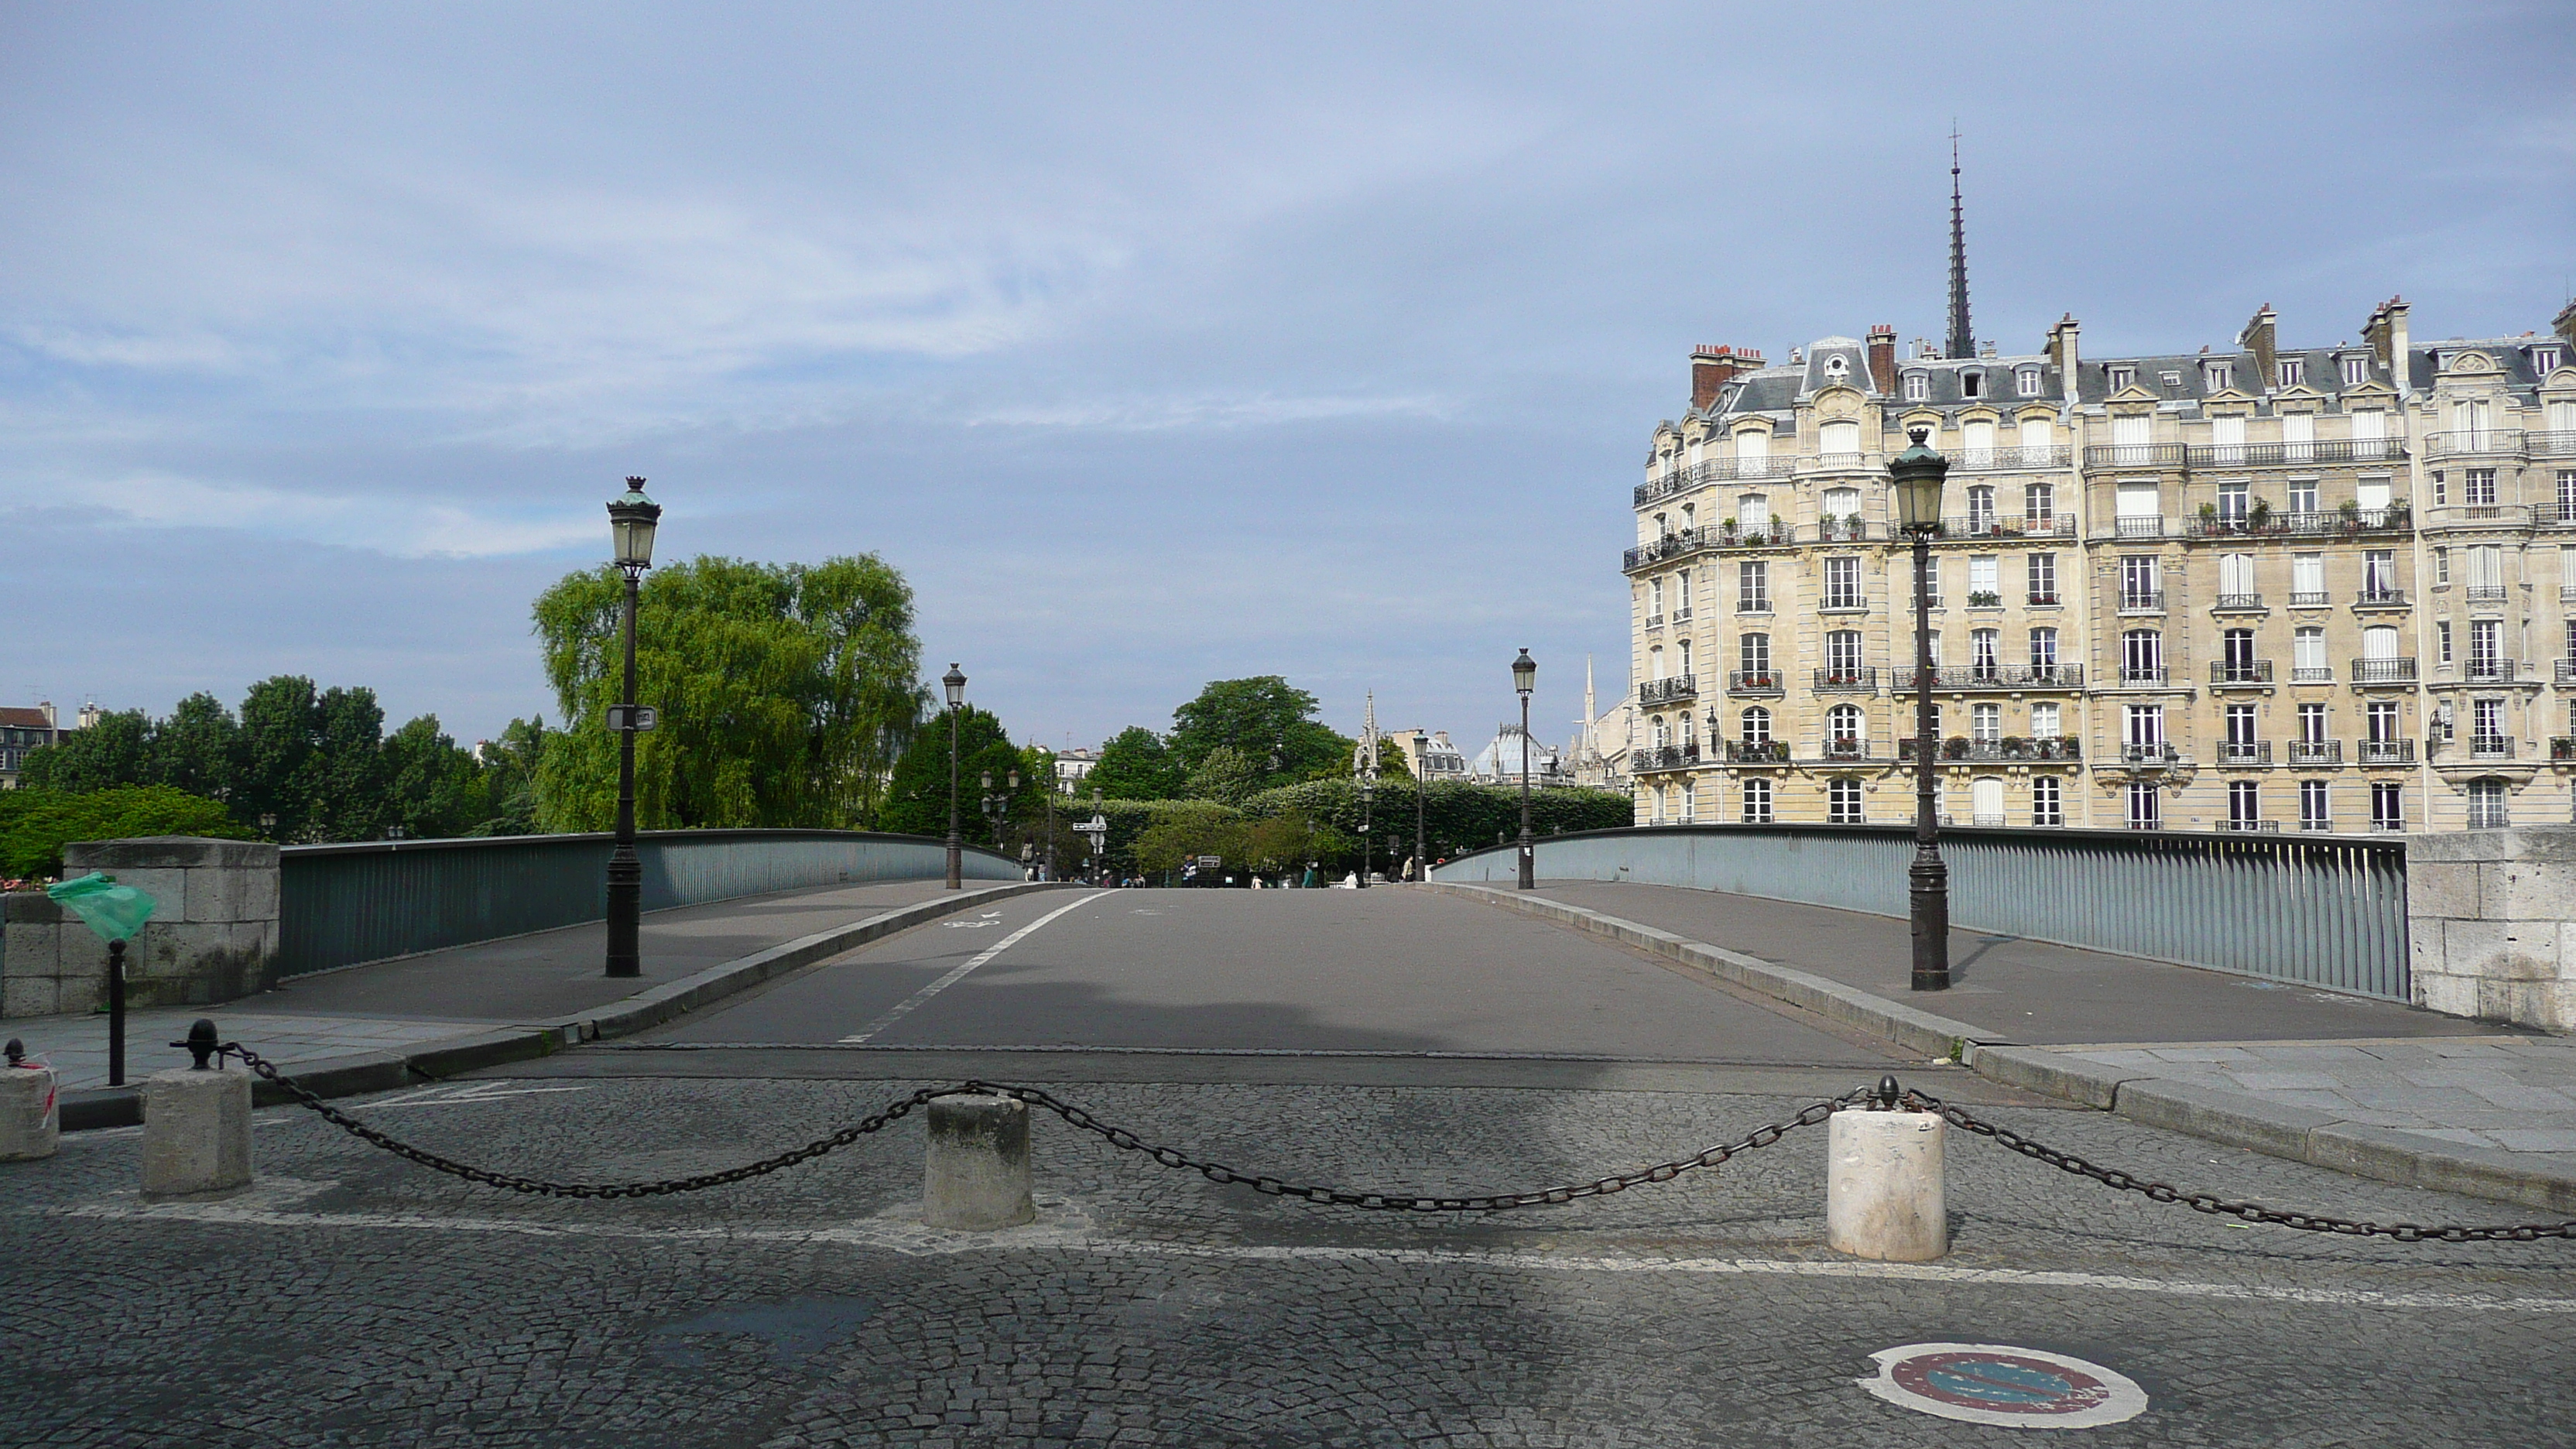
x=2491 y=921
x=212 y=938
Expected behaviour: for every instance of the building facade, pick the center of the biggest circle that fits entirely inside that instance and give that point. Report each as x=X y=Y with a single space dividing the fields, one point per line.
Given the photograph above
x=21 y=730
x=2261 y=588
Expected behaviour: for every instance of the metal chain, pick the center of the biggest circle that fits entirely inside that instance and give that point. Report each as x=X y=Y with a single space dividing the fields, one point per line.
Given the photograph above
x=1390 y=1202
x=2202 y=1202
x=896 y=1110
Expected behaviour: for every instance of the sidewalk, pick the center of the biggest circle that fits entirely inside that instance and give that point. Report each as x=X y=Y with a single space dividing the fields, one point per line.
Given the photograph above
x=502 y=1000
x=2373 y=1087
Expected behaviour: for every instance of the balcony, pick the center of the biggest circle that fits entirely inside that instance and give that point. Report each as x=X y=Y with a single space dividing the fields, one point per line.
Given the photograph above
x=2478 y=515
x=2383 y=671
x=1959 y=749
x=2137 y=527
x=2566 y=671
x=1995 y=676
x=1848 y=530
x=1771 y=535
x=1835 y=463
x=1995 y=526
x=1845 y=749
x=2149 y=757
x=1680 y=543
x=1757 y=752
x=2380 y=599
x=2239 y=604
x=2490 y=747
x=2249 y=825
x=1988 y=460
x=2134 y=455
x=2562 y=750
x=1754 y=681
x=2559 y=443
x=1663 y=757
x=1654 y=621
x=1652 y=692
x=2484 y=593
x=1846 y=681
x=2388 y=752
x=1843 y=604
x=2242 y=671
x=1656 y=489
x=2490 y=671
x=1720 y=469
x=2138 y=676
x=2041 y=601
x=2311 y=674
x=1681 y=616
x=2274 y=455
x=2142 y=601
x=2244 y=754
x=2475 y=443
x=2309 y=599
x=2316 y=752
x=2347 y=520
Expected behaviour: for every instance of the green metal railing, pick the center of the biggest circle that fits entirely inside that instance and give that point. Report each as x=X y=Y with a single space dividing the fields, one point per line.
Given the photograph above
x=2328 y=913
x=342 y=904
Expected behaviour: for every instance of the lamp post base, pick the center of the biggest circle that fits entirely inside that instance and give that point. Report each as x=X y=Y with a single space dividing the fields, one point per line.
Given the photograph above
x=1928 y=883
x=956 y=866
x=625 y=912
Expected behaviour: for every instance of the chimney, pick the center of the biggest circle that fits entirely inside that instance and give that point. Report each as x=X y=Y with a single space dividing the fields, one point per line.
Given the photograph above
x=2257 y=338
x=47 y=706
x=1882 y=357
x=2061 y=349
x=2385 y=332
x=2564 y=324
x=1713 y=367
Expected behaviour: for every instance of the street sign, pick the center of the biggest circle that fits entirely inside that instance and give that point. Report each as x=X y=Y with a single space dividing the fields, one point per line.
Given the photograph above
x=1093 y=826
x=1210 y=862
x=1990 y=1383
x=644 y=717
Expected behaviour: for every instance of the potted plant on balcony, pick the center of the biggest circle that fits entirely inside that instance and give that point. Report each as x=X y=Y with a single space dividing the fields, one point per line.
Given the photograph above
x=2259 y=514
x=1855 y=524
x=1727 y=527
x=1985 y=599
x=2209 y=518
x=2014 y=747
x=1955 y=748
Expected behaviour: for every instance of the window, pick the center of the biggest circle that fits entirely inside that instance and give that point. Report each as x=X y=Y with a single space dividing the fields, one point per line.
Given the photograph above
x=1839 y=440
x=2441 y=492
x=2486 y=724
x=1757 y=726
x=1690 y=731
x=2486 y=574
x=2140 y=586
x=1842 y=505
x=2441 y=565
x=2312 y=724
x=1658 y=732
x=2244 y=805
x=2236 y=581
x=1983 y=653
x=2120 y=375
x=1654 y=601
x=1753 y=513
x=2044 y=722
x=2240 y=731
x=1753 y=587
x=1972 y=384
x=1655 y=662
x=2441 y=642
x=2227 y=438
x=2387 y=806
x=2380 y=723
x=1755 y=650
x=1681 y=596
x=1757 y=802
x=1986 y=800
x=2308 y=655
x=2298 y=437
x=1986 y=723
x=1842 y=801
x=1918 y=386
x=2486 y=804
x=2477 y=487
x=2144 y=726
x=2303 y=495
x=1685 y=650
x=2043 y=578
x=2038 y=500
x=2047 y=805
x=2378 y=573
x=1690 y=516
x=2236 y=650
x=1981 y=507
x=2567 y=495
x=1842 y=656
x=1844 y=728
x=1752 y=451
x=2218 y=376
x=2484 y=636
x=2356 y=371
x=2142 y=657
x=2026 y=381
x=1977 y=437
x=2043 y=650
x=1842 y=584
x=2143 y=811
x=1931 y=581
x=2294 y=371
x=1984 y=586
x=2231 y=502
x=2371 y=495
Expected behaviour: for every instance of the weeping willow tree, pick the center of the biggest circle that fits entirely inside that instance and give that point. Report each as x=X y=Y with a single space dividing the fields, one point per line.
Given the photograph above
x=785 y=693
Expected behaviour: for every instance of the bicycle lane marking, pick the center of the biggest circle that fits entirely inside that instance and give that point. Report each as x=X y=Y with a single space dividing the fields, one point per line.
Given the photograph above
x=917 y=999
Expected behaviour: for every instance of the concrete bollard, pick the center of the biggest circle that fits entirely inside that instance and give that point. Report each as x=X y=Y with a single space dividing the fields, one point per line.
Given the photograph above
x=1883 y=1190
x=196 y=1124
x=29 y=1124
x=977 y=1176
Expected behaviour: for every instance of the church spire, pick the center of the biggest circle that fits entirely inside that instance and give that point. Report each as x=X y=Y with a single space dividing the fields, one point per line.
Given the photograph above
x=1963 y=341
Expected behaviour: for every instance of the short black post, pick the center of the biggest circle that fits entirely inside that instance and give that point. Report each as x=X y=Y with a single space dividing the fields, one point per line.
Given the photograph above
x=116 y=1013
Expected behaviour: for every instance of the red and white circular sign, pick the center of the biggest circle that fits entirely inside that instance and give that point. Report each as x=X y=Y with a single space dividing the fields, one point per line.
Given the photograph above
x=1992 y=1383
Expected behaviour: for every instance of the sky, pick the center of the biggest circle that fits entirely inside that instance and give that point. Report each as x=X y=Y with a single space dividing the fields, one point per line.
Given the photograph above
x=1152 y=344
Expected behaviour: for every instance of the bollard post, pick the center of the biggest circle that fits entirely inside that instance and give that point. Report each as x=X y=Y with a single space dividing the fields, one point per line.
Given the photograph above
x=116 y=1013
x=1884 y=1196
x=196 y=1124
x=29 y=1125
x=976 y=1177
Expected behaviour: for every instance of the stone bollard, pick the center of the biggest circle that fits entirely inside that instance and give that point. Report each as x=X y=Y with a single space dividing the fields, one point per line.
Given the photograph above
x=977 y=1176
x=1883 y=1190
x=29 y=1124
x=196 y=1124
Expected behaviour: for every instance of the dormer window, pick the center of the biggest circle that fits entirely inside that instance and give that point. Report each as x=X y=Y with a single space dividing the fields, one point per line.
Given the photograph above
x=1836 y=366
x=1972 y=384
x=2545 y=360
x=2294 y=371
x=2218 y=376
x=1918 y=386
x=2027 y=380
x=2121 y=375
x=2356 y=371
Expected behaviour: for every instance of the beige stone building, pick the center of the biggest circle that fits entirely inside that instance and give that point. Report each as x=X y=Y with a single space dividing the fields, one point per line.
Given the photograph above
x=2261 y=587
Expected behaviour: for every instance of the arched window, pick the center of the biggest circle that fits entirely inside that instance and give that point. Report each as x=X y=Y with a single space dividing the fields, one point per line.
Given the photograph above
x=1986 y=800
x=1757 y=726
x=1845 y=728
x=1656 y=731
x=1839 y=440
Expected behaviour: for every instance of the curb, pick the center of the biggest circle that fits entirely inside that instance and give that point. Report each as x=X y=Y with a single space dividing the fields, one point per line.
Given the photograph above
x=358 y=1072
x=2236 y=1119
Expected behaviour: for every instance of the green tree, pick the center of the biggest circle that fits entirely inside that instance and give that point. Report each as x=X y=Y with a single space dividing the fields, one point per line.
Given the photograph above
x=35 y=824
x=917 y=797
x=1184 y=834
x=510 y=766
x=785 y=693
x=1135 y=765
x=273 y=762
x=1268 y=720
x=1228 y=776
x=117 y=750
x=433 y=789
x=193 y=749
x=348 y=767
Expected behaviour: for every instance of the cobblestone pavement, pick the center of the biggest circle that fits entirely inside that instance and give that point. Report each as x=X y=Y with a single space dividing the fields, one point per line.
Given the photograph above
x=350 y=1298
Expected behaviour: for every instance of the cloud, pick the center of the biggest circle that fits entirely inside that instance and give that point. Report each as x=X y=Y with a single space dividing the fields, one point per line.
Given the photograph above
x=404 y=526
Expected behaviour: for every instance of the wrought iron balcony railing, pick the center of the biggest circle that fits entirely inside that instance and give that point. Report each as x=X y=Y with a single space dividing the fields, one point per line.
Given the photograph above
x=1844 y=749
x=2010 y=747
x=2238 y=604
x=2383 y=671
x=2316 y=752
x=2490 y=747
x=2311 y=674
x=2242 y=671
x=2490 y=671
x=1984 y=460
x=1663 y=757
x=2475 y=442
x=2273 y=455
x=1754 y=681
x=2001 y=526
x=2142 y=601
x=2388 y=598
x=2565 y=671
x=1995 y=676
x=2388 y=752
x=1661 y=691
x=2149 y=757
x=2484 y=593
x=2349 y=520
x=2133 y=455
x=2142 y=676
x=1846 y=681
x=1757 y=752
x=2249 y=825
x=2562 y=748
x=2555 y=443
x=2245 y=752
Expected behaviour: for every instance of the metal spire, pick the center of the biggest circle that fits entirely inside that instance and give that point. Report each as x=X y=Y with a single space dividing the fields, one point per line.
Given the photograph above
x=1963 y=341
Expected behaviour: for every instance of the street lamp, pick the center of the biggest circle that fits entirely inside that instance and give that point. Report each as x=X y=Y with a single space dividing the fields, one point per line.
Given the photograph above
x=997 y=803
x=955 y=682
x=631 y=520
x=1916 y=476
x=1525 y=679
x=1421 y=790
x=1368 y=817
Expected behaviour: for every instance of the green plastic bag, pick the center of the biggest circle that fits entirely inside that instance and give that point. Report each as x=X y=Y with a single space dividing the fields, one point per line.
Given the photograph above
x=115 y=911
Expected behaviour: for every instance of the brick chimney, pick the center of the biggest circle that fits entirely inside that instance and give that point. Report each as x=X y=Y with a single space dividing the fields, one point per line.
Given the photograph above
x=2259 y=338
x=2564 y=324
x=2386 y=334
x=1882 y=358
x=2062 y=351
x=1713 y=367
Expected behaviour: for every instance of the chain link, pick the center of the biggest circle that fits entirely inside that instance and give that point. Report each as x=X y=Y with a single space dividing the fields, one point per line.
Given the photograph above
x=2202 y=1202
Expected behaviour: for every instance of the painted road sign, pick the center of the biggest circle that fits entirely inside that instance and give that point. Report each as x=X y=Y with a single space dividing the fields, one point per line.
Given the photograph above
x=1990 y=1383
x=645 y=716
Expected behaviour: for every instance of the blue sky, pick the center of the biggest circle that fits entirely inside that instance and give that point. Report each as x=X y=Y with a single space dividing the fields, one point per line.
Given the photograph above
x=1153 y=345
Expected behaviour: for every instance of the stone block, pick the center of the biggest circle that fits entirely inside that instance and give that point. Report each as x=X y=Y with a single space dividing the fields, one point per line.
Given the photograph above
x=168 y=852
x=2514 y=949
x=30 y=948
x=30 y=1119
x=215 y=895
x=976 y=1177
x=33 y=908
x=30 y=995
x=2526 y=890
x=167 y=888
x=259 y=896
x=2443 y=890
x=1885 y=1198
x=196 y=1132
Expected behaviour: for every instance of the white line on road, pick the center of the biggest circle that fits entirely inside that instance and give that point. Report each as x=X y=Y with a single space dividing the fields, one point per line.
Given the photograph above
x=911 y=1003
x=911 y=1238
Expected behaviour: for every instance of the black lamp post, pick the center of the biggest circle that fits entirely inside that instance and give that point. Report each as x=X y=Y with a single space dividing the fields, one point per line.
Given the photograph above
x=1421 y=792
x=955 y=682
x=997 y=803
x=1525 y=679
x=1368 y=817
x=1916 y=476
x=631 y=520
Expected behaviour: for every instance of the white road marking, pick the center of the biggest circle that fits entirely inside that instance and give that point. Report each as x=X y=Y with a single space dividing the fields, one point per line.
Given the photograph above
x=913 y=1002
x=459 y=1096
x=989 y=918
x=911 y=1238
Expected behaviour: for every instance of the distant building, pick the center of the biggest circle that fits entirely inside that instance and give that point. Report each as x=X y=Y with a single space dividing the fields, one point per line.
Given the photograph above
x=1430 y=755
x=21 y=730
x=1598 y=755
x=1499 y=763
x=1071 y=766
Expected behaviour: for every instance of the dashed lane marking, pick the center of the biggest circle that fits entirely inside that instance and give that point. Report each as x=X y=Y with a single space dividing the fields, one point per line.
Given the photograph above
x=917 y=999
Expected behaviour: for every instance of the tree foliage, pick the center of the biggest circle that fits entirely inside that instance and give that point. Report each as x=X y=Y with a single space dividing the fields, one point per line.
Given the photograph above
x=786 y=693
x=917 y=800
x=35 y=824
x=1136 y=765
x=1265 y=718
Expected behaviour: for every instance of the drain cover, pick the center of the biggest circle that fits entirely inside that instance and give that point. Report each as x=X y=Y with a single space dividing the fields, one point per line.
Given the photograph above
x=1993 y=1383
